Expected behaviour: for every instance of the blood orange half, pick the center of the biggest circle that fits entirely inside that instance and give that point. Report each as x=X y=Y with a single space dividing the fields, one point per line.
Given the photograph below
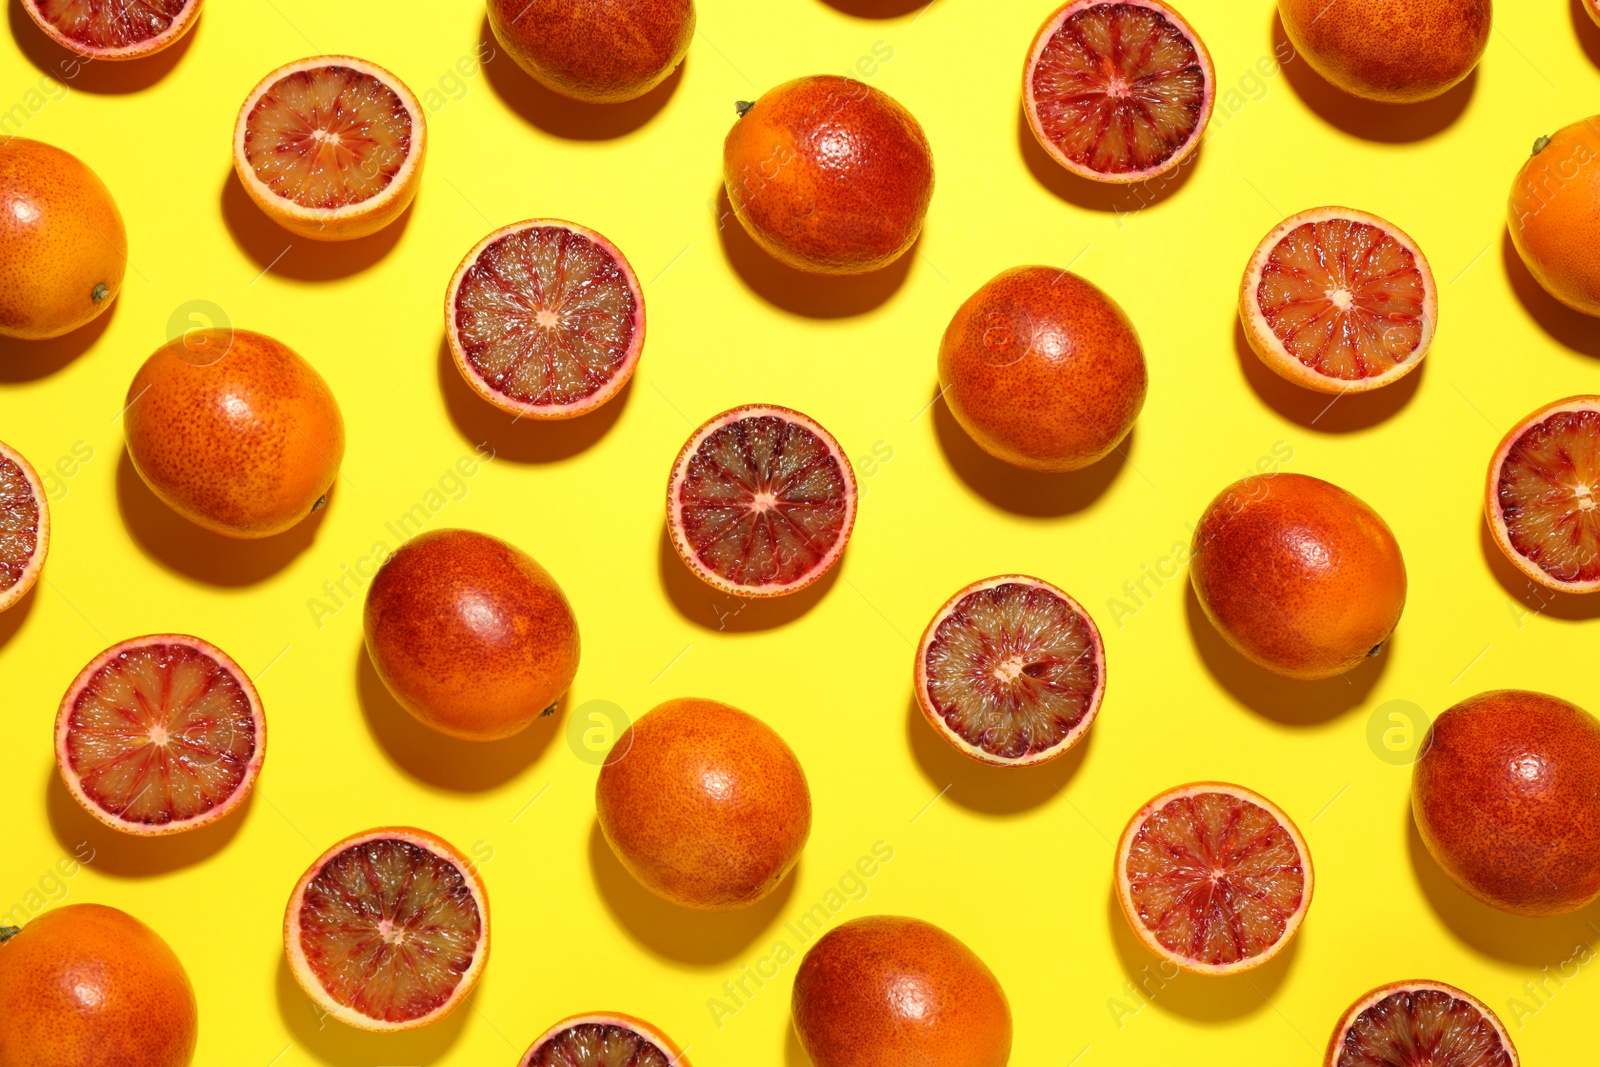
x=1420 y=1023
x=1543 y=497
x=1118 y=90
x=545 y=319
x=24 y=526
x=1011 y=671
x=1213 y=877
x=1339 y=301
x=603 y=1039
x=160 y=734
x=331 y=147
x=114 y=30
x=388 y=930
x=761 y=501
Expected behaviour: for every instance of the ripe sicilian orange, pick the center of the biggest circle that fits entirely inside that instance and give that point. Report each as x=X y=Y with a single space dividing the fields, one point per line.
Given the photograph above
x=1400 y=1022
x=24 y=526
x=602 y=1039
x=114 y=31
x=1543 y=496
x=1392 y=51
x=599 y=51
x=1554 y=214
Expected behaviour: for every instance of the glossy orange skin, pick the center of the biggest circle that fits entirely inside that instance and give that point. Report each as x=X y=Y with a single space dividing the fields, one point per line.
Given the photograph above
x=1043 y=370
x=234 y=431
x=63 y=247
x=829 y=175
x=470 y=634
x=1507 y=798
x=92 y=986
x=1298 y=575
x=1554 y=215
x=600 y=51
x=1393 y=51
x=884 y=991
x=704 y=804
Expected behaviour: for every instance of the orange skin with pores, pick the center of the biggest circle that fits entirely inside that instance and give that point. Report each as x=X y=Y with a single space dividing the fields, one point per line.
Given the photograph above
x=598 y=51
x=1554 y=215
x=1392 y=51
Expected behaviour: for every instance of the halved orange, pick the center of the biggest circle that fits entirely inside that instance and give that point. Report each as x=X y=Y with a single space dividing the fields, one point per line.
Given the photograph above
x=1543 y=496
x=603 y=1039
x=1420 y=1023
x=545 y=319
x=331 y=147
x=160 y=734
x=388 y=929
x=24 y=526
x=121 y=29
x=1339 y=301
x=1213 y=877
x=761 y=501
x=1011 y=671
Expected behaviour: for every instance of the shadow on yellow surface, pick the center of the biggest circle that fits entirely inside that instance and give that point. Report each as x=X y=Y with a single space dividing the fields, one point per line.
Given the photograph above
x=441 y=761
x=1575 y=330
x=794 y=1053
x=564 y=117
x=878 y=9
x=983 y=788
x=1203 y=998
x=715 y=610
x=1538 y=599
x=180 y=546
x=1111 y=197
x=276 y=250
x=26 y=361
x=1284 y=700
x=332 y=1042
x=90 y=76
x=817 y=296
x=522 y=440
x=1516 y=939
x=12 y=618
x=1588 y=33
x=697 y=938
x=123 y=855
x=1327 y=412
x=1368 y=119
x=1019 y=491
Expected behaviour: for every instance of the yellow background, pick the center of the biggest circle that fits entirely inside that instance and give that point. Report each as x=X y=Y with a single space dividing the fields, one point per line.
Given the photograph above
x=1015 y=864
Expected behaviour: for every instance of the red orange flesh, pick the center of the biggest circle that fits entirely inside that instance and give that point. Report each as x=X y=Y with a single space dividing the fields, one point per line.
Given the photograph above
x=1543 y=496
x=1420 y=1023
x=24 y=526
x=115 y=31
x=602 y=1039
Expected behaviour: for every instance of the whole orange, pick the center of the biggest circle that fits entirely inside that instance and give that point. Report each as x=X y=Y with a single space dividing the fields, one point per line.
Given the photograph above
x=470 y=634
x=92 y=986
x=1393 y=51
x=704 y=804
x=1506 y=796
x=1043 y=370
x=62 y=244
x=1298 y=575
x=1554 y=214
x=600 y=51
x=234 y=431
x=829 y=175
x=890 y=992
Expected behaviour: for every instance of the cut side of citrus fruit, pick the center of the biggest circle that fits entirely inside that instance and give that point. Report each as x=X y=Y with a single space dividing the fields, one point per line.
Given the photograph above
x=331 y=147
x=1543 y=498
x=545 y=319
x=1213 y=877
x=1118 y=90
x=1420 y=1023
x=603 y=1039
x=114 y=30
x=1339 y=301
x=1011 y=671
x=761 y=501
x=160 y=734
x=389 y=929
x=24 y=526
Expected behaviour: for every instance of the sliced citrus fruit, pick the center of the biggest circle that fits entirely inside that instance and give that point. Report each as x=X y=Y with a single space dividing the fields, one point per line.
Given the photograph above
x=761 y=501
x=1420 y=1024
x=1118 y=90
x=24 y=526
x=1011 y=671
x=545 y=319
x=117 y=30
x=389 y=929
x=1339 y=301
x=160 y=734
x=603 y=1039
x=1213 y=877
x=330 y=147
x=1543 y=498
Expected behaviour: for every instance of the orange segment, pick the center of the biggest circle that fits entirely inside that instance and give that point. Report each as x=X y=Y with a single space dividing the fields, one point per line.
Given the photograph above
x=1420 y=1024
x=1546 y=494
